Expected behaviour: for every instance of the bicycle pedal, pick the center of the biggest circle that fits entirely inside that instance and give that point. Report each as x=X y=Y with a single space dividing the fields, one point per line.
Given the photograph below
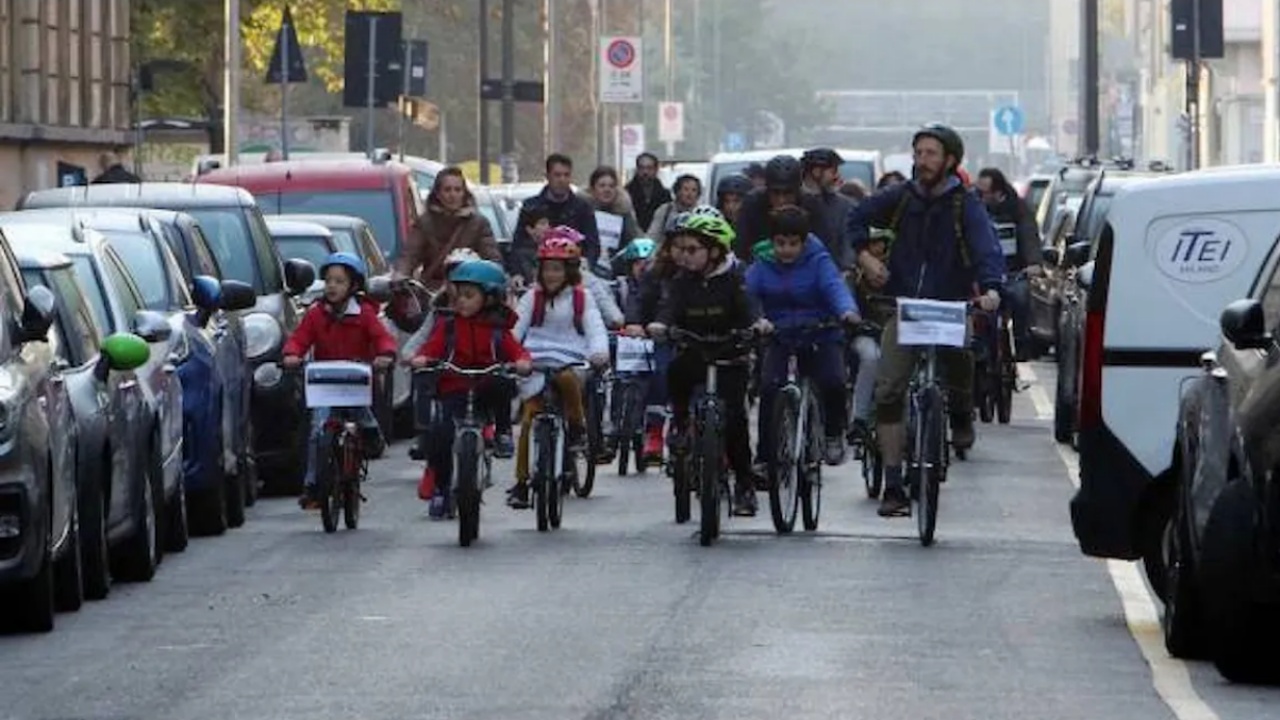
x=363 y=498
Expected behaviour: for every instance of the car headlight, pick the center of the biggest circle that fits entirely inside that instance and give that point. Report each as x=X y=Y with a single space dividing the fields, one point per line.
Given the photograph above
x=262 y=335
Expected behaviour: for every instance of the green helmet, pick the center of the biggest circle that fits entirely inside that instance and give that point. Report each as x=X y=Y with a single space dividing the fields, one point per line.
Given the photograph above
x=763 y=250
x=710 y=227
x=881 y=234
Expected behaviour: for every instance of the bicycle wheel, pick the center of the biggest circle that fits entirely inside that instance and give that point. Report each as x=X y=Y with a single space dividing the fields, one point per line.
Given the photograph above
x=681 y=474
x=327 y=475
x=811 y=479
x=1007 y=379
x=623 y=427
x=783 y=496
x=466 y=494
x=930 y=440
x=872 y=467
x=583 y=467
x=709 y=458
x=546 y=489
x=984 y=393
x=354 y=465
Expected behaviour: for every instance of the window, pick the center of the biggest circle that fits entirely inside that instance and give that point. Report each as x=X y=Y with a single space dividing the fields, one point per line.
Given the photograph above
x=228 y=237
x=265 y=250
x=173 y=239
x=312 y=249
x=146 y=265
x=128 y=295
x=202 y=256
x=11 y=286
x=376 y=207
x=95 y=291
x=344 y=240
x=82 y=332
x=1271 y=294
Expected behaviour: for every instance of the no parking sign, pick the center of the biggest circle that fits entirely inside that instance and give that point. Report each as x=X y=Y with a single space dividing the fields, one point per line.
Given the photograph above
x=621 y=76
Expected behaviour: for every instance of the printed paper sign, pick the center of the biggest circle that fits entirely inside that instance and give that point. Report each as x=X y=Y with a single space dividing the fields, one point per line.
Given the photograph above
x=635 y=355
x=610 y=227
x=932 y=322
x=339 y=384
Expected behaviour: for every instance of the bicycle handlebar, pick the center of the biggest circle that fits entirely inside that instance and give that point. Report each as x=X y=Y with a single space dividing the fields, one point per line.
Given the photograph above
x=498 y=369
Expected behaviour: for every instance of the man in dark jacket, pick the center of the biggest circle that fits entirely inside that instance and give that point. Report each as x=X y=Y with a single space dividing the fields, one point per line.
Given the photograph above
x=113 y=171
x=821 y=168
x=563 y=207
x=647 y=193
x=784 y=185
x=944 y=245
x=1005 y=207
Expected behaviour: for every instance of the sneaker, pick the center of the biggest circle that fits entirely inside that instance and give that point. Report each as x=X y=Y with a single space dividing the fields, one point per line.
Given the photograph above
x=962 y=436
x=859 y=432
x=577 y=438
x=439 y=507
x=416 y=453
x=608 y=451
x=833 y=450
x=309 y=499
x=503 y=446
x=894 y=503
x=744 y=499
x=518 y=496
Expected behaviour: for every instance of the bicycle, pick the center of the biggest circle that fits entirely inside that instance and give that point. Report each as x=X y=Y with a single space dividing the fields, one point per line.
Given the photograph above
x=598 y=391
x=698 y=460
x=995 y=376
x=472 y=456
x=555 y=467
x=866 y=449
x=928 y=325
x=795 y=482
x=633 y=366
x=345 y=388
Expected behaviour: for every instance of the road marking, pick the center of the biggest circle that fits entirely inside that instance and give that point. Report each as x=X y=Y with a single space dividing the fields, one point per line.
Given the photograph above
x=1039 y=397
x=1170 y=676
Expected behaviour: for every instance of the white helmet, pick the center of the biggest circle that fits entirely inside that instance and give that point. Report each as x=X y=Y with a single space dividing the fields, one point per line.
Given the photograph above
x=457 y=256
x=706 y=210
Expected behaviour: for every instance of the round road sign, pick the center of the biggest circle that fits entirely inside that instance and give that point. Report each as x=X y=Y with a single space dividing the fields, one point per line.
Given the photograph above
x=1070 y=126
x=630 y=136
x=621 y=53
x=671 y=112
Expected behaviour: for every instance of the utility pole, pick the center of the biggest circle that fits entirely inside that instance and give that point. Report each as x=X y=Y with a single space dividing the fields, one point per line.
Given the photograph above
x=670 y=67
x=716 y=8
x=231 y=83
x=484 y=104
x=599 y=11
x=508 y=79
x=1091 y=134
x=551 y=83
x=1193 y=91
x=1271 y=82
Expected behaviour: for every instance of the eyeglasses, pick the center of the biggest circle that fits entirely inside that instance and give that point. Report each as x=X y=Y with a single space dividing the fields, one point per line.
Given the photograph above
x=690 y=249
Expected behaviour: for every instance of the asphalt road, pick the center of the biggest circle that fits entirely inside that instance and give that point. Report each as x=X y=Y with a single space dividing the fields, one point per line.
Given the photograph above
x=622 y=615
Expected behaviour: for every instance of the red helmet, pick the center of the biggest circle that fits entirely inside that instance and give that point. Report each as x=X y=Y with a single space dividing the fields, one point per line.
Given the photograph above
x=558 y=247
x=964 y=177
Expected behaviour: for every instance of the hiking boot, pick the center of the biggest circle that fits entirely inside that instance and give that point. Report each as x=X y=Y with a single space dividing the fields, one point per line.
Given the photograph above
x=962 y=436
x=518 y=496
x=894 y=503
x=503 y=446
x=310 y=499
x=859 y=432
x=833 y=450
x=439 y=507
x=744 y=498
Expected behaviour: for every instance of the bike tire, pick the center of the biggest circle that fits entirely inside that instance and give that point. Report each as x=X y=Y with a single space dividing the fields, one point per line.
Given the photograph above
x=568 y=480
x=932 y=465
x=544 y=482
x=811 y=479
x=466 y=495
x=1004 y=403
x=622 y=430
x=710 y=456
x=984 y=397
x=872 y=468
x=353 y=465
x=327 y=485
x=784 y=494
x=584 y=478
x=681 y=471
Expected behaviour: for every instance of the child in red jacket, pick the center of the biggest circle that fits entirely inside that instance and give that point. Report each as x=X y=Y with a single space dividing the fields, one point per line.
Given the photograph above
x=342 y=325
x=474 y=334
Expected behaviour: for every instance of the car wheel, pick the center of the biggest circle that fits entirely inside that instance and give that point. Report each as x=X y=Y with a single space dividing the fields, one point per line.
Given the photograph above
x=32 y=600
x=1183 y=617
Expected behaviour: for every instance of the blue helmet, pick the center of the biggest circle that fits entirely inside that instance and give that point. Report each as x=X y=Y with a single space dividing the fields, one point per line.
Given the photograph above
x=485 y=273
x=349 y=261
x=641 y=248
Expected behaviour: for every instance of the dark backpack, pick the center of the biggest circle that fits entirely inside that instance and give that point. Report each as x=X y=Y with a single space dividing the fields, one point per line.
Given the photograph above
x=957 y=205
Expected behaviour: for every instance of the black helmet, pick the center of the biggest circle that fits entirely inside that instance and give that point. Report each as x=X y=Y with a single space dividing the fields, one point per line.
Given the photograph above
x=754 y=170
x=733 y=184
x=824 y=157
x=952 y=143
x=783 y=173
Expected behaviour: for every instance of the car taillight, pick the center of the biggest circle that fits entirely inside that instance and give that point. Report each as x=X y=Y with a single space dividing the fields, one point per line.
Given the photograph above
x=1091 y=372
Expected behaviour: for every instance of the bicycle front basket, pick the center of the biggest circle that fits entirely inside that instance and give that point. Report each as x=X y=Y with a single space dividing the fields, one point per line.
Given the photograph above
x=339 y=384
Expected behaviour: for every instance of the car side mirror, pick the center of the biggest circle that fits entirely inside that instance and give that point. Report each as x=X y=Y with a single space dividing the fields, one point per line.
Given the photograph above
x=206 y=292
x=379 y=289
x=121 y=351
x=1084 y=276
x=1051 y=255
x=298 y=275
x=1245 y=325
x=237 y=295
x=1077 y=254
x=152 y=326
x=37 y=314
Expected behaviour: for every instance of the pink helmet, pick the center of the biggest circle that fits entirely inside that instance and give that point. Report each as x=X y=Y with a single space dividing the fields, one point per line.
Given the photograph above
x=559 y=248
x=564 y=232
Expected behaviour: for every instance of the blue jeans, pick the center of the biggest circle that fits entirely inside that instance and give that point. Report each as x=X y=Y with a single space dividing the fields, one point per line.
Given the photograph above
x=318 y=417
x=825 y=365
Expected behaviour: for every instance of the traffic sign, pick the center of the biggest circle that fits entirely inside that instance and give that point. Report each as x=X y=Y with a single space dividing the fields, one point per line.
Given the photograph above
x=416 y=58
x=630 y=144
x=384 y=60
x=287 y=50
x=621 y=75
x=521 y=90
x=1008 y=120
x=671 y=122
x=735 y=142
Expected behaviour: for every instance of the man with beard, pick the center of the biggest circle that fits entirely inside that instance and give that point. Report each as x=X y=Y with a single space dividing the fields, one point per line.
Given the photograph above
x=943 y=246
x=646 y=191
x=1005 y=207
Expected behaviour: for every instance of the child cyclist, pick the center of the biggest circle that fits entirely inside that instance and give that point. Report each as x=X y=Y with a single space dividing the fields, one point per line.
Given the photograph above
x=343 y=325
x=474 y=332
x=867 y=346
x=560 y=325
x=707 y=296
x=799 y=284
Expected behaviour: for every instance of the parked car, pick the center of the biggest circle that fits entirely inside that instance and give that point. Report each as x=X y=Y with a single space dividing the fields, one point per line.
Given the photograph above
x=107 y=421
x=491 y=207
x=1179 y=248
x=351 y=234
x=158 y=508
x=237 y=234
x=1221 y=550
x=1070 y=181
x=383 y=194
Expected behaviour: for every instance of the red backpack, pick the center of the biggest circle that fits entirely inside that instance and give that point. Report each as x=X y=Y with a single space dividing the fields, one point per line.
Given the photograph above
x=579 y=308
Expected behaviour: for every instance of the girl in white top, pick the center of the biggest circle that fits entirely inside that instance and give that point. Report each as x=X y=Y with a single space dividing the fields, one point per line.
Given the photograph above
x=559 y=324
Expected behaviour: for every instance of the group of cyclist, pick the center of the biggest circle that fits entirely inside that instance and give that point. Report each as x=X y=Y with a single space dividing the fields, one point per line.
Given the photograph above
x=784 y=250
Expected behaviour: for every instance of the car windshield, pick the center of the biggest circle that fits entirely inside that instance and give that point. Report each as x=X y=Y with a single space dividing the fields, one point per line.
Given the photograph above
x=94 y=291
x=376 y=207
x=1097 y=215
x=1035 y=194
x=343 y=239
x=227 y=232
x=145 y=265
x=490 y=213
x=312 y=249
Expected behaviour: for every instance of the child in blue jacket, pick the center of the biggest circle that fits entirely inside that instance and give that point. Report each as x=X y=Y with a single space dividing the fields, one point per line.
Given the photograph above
x=797 y=284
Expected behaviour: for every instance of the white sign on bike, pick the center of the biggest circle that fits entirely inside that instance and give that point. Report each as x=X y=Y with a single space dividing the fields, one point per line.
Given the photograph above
x=635 y=355
x=339 y=384
x=932 y=322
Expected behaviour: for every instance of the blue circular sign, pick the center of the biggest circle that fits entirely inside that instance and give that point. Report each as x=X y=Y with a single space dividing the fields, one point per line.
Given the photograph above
x=621 y=53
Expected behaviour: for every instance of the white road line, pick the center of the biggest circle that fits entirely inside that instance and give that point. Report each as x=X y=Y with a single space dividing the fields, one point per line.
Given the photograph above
x=1170 y=676
x=1039 y=396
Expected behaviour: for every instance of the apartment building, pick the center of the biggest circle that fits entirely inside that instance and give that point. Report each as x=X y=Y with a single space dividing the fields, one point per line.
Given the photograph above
x=64 y=89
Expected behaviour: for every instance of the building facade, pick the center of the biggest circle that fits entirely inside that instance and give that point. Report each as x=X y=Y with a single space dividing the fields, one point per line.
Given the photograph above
x=64 y=89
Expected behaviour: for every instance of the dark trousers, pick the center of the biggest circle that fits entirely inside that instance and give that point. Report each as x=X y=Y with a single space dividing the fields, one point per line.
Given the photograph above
x=825 y=365
x=437 y=439
x=688 y=371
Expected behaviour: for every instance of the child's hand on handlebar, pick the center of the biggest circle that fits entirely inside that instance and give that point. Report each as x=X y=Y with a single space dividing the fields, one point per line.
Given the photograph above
x=291 y=361
x=851 y=318
x=524 y=368
x=599 y=360
x=763 y=326
x=989 y=301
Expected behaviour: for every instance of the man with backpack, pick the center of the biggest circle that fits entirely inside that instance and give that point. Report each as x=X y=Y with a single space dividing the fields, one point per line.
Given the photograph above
x=944 y=247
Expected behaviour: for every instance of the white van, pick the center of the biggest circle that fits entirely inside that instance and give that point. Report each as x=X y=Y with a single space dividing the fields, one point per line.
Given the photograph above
x=1174 y=251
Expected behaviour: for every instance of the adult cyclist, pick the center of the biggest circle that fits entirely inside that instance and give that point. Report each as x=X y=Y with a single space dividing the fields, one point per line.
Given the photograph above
x=784 y=185
x=944 y=245
x=1004 y=206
